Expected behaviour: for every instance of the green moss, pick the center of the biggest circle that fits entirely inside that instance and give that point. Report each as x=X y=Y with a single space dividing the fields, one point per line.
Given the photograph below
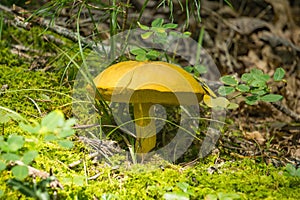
x=29 y=91
x=246 y=178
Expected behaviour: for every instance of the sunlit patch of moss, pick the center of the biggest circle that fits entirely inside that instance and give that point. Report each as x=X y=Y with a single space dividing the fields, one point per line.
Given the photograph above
x=244 y=177
x=6 y=57
x=31 y=92
x=34 y=92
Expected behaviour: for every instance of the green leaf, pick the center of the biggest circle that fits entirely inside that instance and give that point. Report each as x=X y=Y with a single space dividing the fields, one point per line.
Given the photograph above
x=10 y=157
x=228 y=196
x=176 y=196
x=35 y=128
x=256 y=72
x=183 y=186
x=232 y=106
x=229 y=80
x=3 y=145
x=15 y=142
x=176 y=34
x=157 y=22
x=159 y=30
x=23 y=187
x=261 y=77
x=251 y=100
x=188 y=69
x=279 y=74
x=146 y=35
x=44 y=97
x=20 y=172
x=66 y=144
x=4 y=117
x=297 y=172
x=144 y=27
x=141 y=57
x=79 y=180
x=225 y=90
x=243 y=88
x=258 y=92
x=2 y=165
x=66 y=133
x=187 y=34
x=1 y=193
x=52 y=121
x=29 y=156
x=153 y=54
x=201 y=69
x=170 y=25
x=271 y=98
x=211 y=197
x=50 y=137
x=247 y=77
x=137 y=51
x=70 y=122
x=221 y=102
x=290 y=170
x=258 y=83
x=160 y=38
x=108 y=196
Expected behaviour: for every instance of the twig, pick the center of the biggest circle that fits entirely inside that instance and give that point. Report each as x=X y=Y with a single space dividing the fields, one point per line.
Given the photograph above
x=279 y=106
x=38 y=173
x=74 y=164
x=20 y=22
x=86 y=126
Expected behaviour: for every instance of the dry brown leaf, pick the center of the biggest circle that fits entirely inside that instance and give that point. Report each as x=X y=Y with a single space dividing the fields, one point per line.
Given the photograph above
x=283 y=14
x=252 y=60
x=247 y=25
x=255 y=135
x=297 y=153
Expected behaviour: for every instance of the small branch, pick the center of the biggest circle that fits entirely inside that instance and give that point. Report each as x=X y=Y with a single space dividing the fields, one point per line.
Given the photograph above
x=38 y=173
x=74 y=164
x=279 y=106
x=20 y=22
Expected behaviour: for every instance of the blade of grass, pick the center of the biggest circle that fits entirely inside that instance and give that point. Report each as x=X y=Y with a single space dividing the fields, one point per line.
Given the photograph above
x=197 y=5
x=199 y=46
x=187 y=13
x=1 y=24
x=14 y=113
x=142 y=10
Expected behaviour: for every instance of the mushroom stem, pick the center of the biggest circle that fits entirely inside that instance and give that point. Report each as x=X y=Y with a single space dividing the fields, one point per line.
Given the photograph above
x=145 y=128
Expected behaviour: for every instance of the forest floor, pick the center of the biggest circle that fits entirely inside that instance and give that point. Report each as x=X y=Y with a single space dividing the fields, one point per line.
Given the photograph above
x=37 y=73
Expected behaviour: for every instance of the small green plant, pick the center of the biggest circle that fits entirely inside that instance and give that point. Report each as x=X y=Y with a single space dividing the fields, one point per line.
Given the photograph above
x=19 y=151
x=34 y=190
x=222 y=196
x=290 y=170
x=253 y=86
x=183 y=193
x=158 y=33
x=10 y=152
x=10 y=149
x=1 y=24
x=53 y=128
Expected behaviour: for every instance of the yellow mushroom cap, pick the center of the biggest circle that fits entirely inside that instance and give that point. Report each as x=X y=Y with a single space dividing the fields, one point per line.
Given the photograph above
x=148 y=82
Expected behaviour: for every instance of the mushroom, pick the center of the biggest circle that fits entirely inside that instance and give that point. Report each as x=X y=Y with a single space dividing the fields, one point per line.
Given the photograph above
x=145 y=84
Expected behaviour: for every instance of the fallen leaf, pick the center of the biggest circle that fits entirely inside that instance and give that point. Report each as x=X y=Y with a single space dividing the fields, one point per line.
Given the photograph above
x=255 y=135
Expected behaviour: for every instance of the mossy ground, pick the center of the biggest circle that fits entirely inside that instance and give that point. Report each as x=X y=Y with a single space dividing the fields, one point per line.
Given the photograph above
x=33 y=93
